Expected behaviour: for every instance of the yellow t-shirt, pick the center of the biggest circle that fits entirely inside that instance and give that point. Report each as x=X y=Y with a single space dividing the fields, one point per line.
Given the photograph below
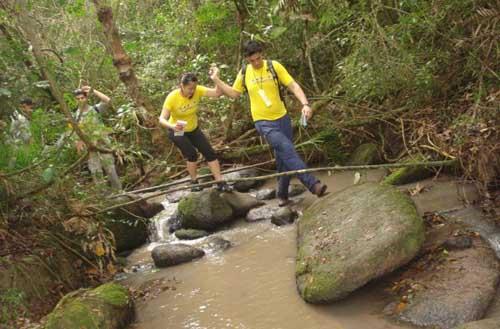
x=257 y=79
x=183 y=108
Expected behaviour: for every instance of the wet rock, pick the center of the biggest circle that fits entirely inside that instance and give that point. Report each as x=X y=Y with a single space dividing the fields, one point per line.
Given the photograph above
x=216 y=244
x=283 y=216
x=173 y=254
x=190 y=234
x=173 y=223
x=457 y=290
x=241 y=203
x=108 y=306
x=482 y=324
x=261 y=213
x=458 y=242
x=296 y=189
x=244 y=186
x=266 y=194
x=129 y=233
x=354 y=236
x=176 y=196
x=129 y=224
x=205 y=210
x=365 y=154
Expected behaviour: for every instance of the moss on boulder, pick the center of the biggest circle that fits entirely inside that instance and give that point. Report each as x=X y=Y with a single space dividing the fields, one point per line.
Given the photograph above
x=205 y=210
x=108 y=306
x=408 y=174
x=349 y=238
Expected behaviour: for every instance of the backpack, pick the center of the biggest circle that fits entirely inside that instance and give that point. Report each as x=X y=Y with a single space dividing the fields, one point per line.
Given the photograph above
x=271 y=69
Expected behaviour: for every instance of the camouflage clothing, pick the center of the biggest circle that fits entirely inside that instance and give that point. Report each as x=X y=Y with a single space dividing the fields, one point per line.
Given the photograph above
x=20 y=129
x=91 y=124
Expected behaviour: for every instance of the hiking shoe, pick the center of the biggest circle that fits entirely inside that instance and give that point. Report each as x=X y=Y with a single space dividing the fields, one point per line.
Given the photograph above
x=196 y=188
x=224 y=187
x=283 y=202
x=319 y=189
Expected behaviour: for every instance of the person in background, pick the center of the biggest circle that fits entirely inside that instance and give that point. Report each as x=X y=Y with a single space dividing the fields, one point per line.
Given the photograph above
x=19 y=133
x=20 y=127
x=90 y=121
x=179 y=116
x=262 y=79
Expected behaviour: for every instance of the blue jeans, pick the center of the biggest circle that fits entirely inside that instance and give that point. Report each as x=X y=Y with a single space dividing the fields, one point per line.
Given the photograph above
x=279 y=135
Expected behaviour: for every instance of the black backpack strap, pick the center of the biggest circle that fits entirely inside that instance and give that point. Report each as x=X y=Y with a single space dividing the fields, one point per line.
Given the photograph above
x=271 y=69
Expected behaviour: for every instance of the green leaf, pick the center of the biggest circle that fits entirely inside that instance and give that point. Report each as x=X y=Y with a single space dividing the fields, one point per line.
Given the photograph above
x=48 y=175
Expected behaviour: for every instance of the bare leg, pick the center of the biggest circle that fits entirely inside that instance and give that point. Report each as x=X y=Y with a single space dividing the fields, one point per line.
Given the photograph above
x=215 y=169
x=192 y=169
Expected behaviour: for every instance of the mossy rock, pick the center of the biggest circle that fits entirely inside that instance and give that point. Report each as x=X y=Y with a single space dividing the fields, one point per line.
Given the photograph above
x=108 y=306
x=365 y=154
x=190 y=234
x=409 y=174
x=349 y=238
x=205 y=210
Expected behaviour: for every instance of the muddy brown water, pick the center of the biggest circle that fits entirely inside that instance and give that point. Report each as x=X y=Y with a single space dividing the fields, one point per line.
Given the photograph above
x=252 y=284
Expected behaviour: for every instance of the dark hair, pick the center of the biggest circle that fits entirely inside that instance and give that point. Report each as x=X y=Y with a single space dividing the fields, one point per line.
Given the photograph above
x=26 y=101
x=79 y=91
x=187 y=78
x=251 y=47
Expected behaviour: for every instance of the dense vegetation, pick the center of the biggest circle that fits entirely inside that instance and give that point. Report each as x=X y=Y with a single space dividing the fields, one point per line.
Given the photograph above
x=418 y=78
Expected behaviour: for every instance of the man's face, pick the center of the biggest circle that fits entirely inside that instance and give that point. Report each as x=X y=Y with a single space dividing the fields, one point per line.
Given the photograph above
x=27 y=108
x=255 y=60
x=81 y=99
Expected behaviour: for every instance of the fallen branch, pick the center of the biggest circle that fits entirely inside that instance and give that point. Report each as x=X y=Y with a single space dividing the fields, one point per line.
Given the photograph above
x=187 y=179
x=287 y=173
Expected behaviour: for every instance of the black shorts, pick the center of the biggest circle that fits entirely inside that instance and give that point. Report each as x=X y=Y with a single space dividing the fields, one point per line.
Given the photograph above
x=192 y=141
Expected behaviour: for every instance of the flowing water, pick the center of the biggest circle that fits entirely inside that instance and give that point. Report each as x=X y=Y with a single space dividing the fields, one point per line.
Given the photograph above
x=252 y=284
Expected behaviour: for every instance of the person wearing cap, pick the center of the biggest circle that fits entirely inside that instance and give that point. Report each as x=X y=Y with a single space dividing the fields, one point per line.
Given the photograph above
x=90 y=121
x=262 y=80
x=179 y=116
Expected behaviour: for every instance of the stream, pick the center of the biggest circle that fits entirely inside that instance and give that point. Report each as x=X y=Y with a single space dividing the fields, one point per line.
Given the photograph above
x=252 y=284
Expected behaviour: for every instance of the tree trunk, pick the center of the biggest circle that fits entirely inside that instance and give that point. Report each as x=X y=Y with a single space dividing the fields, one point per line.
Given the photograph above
x=123 y=64
x=121 y=60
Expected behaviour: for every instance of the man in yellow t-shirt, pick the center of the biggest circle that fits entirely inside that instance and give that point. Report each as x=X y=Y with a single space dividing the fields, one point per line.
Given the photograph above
x=270 y=115
x=179 y=115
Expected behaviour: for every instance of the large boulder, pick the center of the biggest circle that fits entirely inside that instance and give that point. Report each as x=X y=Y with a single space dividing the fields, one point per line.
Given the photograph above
x=354 y=236
x=481 y=324
x=241 y=203
x=106 y=307
x=173 y=254
x=457 y=290
x=205 y=210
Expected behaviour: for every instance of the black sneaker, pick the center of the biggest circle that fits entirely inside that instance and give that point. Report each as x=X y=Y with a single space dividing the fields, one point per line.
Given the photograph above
x=196 y=188
x=224 y=187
